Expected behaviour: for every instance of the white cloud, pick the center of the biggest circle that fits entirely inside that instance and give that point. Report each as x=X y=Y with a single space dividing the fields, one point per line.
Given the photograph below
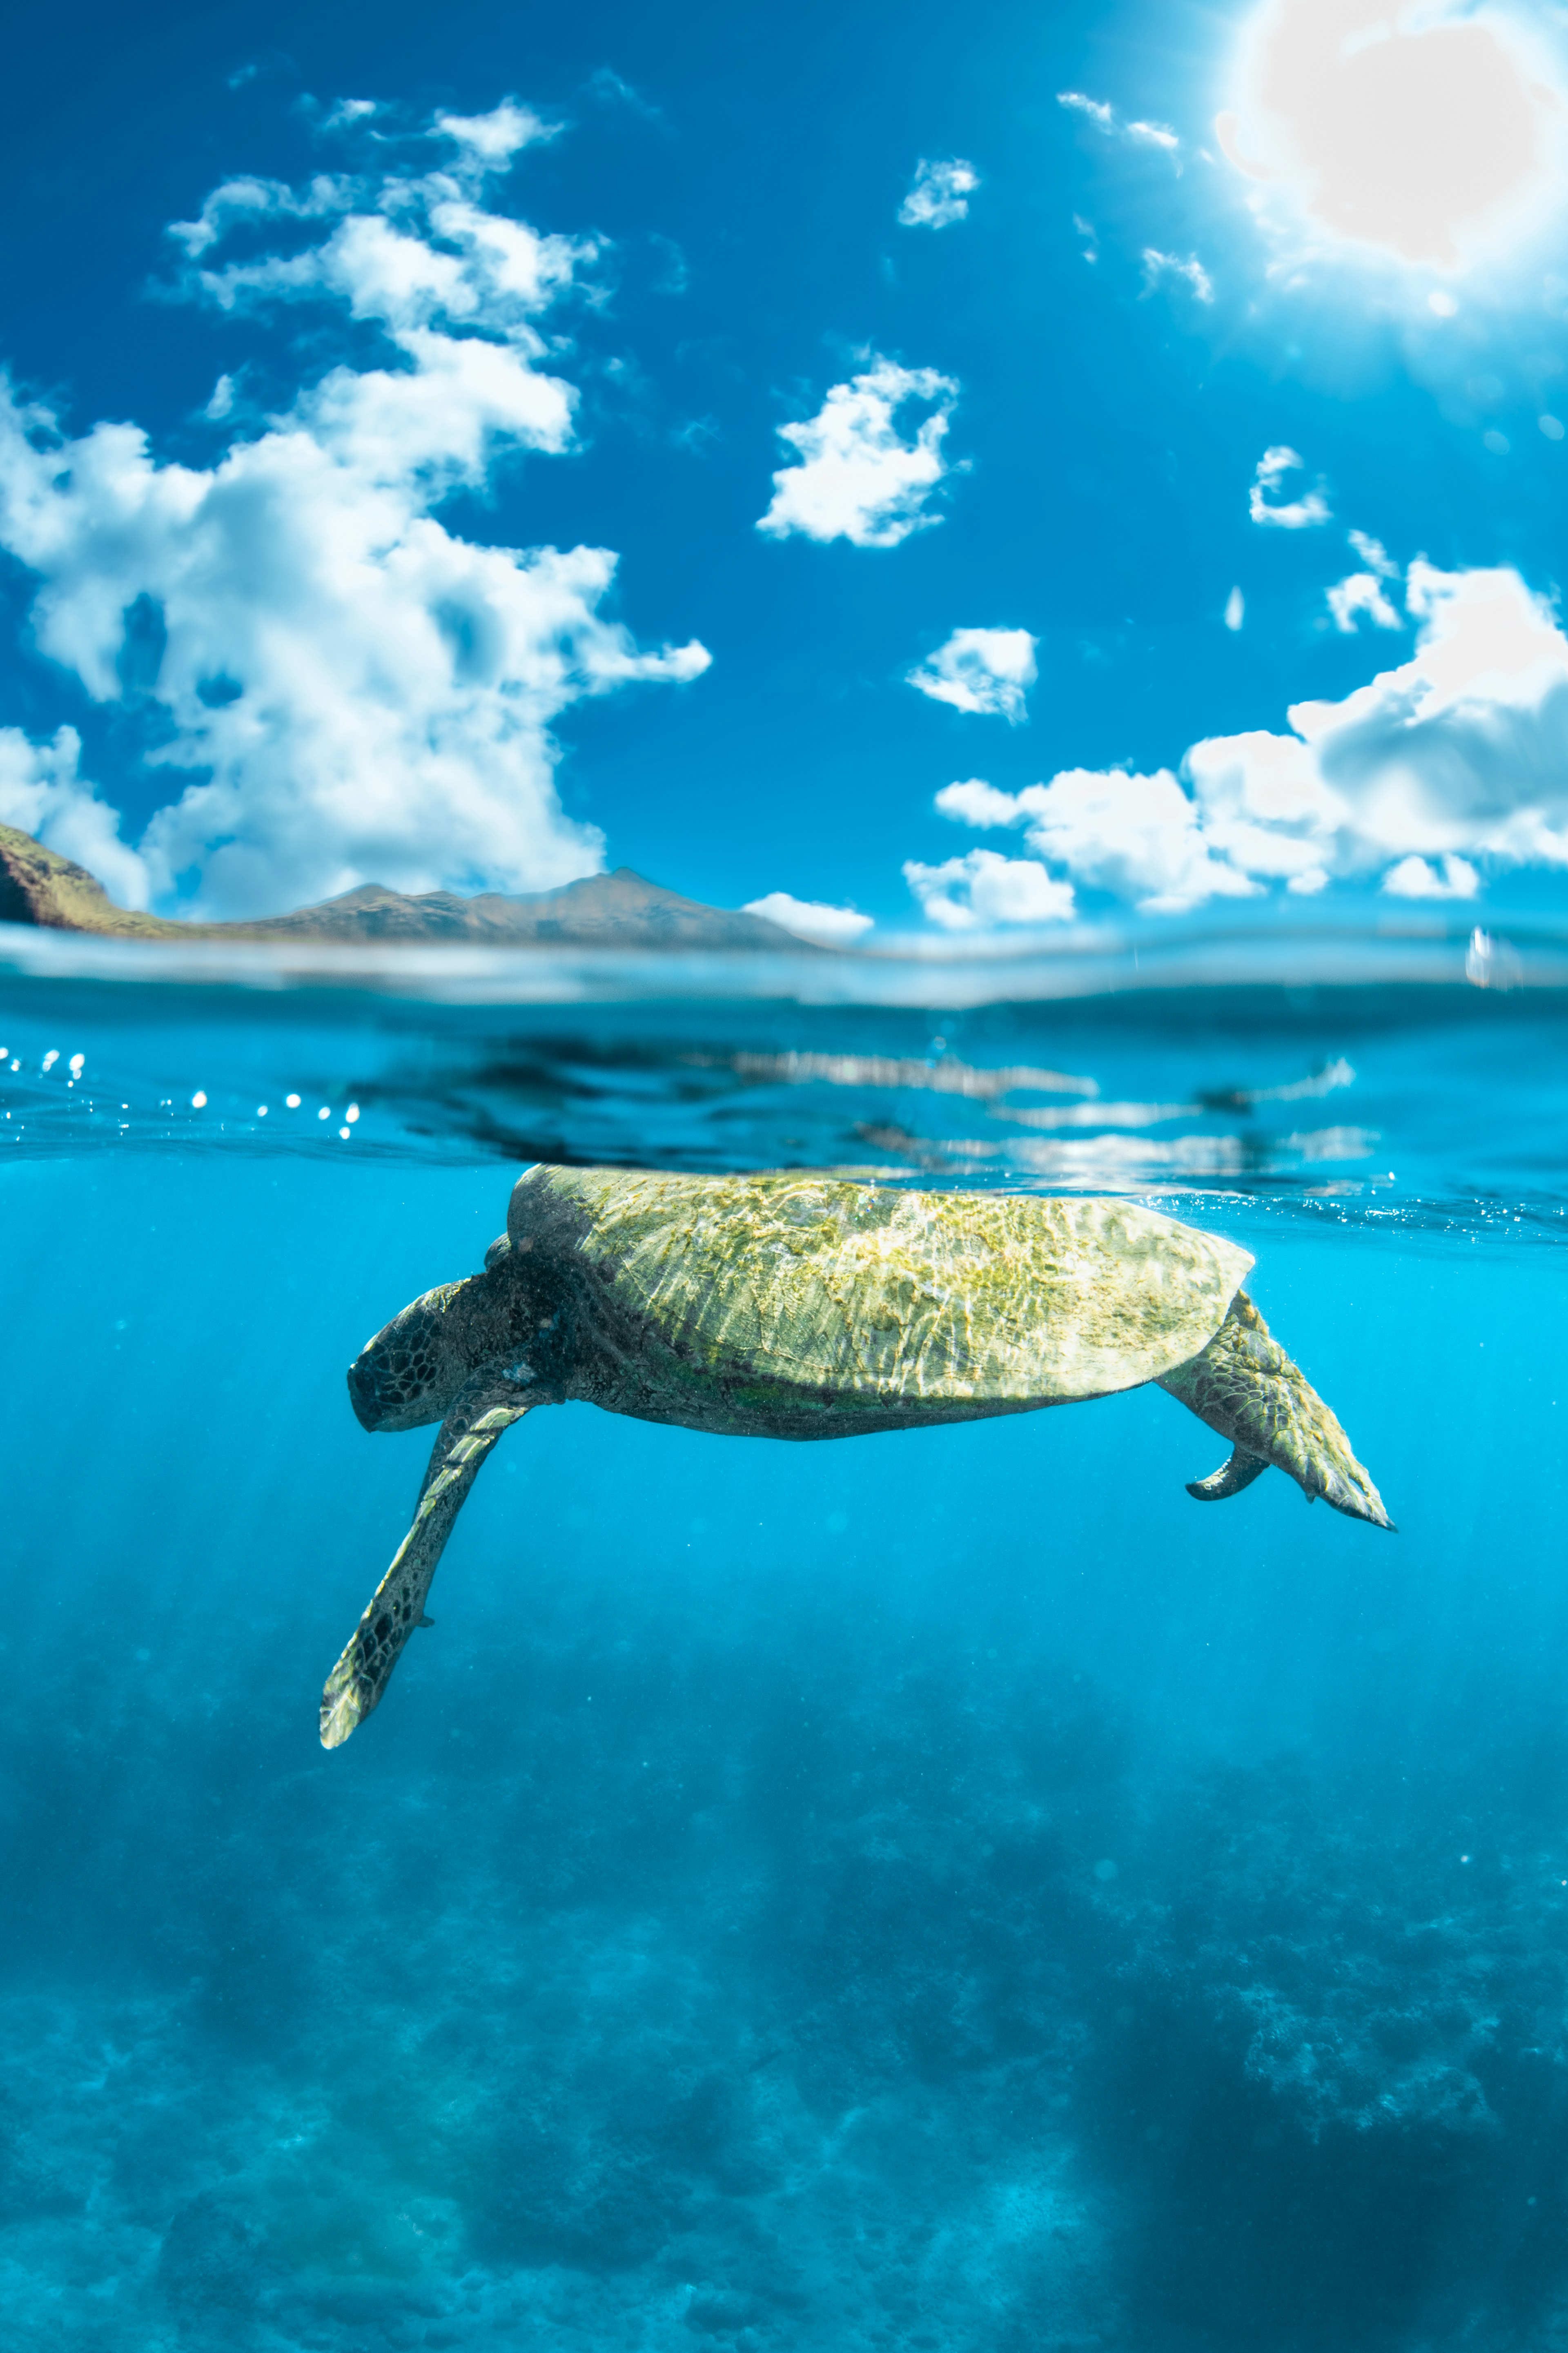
x=1262 y=808
x=394 y=271
x=1417 y=878
x=983 y=670
x=1373 y=554
x=939 y=193
x=493 y=139
x=1138 y=837
x=1293 y=514
x=615 y=89
x=354 y=691
x=1455 y=760
x=982 y=888
x=252 y=199
x=1115 y=126
x=1100 y=114
x=1235 y=609
x=857 y=479
x=1188 y=269
x=1361 y=592
x=1421 y=135
x=809 y=919
x=975 y=802
x=42 y=792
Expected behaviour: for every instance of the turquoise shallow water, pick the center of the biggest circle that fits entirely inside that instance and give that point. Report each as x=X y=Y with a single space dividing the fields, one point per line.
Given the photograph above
x=941 y=1891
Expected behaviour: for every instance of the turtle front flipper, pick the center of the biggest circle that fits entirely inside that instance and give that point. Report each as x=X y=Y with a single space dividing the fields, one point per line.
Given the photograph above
x=356 y=1683
x=1244 y=1386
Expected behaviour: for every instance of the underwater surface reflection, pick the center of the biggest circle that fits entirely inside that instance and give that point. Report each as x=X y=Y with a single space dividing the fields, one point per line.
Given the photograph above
x=948 y=1890
x=1437 y=1102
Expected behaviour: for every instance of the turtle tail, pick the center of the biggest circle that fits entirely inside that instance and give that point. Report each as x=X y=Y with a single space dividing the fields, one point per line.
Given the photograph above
x=354 y=1687
x=1244 y=1386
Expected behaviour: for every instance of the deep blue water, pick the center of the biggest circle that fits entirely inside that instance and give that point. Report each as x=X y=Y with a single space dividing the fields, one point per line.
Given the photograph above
x=938 y=1891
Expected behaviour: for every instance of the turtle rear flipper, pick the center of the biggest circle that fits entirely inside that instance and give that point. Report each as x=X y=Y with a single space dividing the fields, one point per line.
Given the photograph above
x=354 y=1687
x=1244 y=1386
x=1231 y=1477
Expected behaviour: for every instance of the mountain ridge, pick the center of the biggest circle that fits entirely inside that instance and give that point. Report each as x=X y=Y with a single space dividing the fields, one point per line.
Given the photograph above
x=619 y=910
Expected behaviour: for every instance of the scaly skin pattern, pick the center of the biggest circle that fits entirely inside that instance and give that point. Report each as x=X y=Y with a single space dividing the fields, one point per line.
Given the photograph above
x=803 y=1307
x=354 y=1687
x=1245 y=1388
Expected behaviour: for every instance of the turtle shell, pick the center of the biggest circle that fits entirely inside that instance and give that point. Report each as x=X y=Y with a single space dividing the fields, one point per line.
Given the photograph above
x=869 y=1294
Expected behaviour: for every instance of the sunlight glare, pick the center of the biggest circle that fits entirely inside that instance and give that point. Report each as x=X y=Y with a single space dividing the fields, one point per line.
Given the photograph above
x=1409 y=130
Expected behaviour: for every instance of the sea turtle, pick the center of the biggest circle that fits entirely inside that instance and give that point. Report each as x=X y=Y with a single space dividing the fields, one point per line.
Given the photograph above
x=809 y=1306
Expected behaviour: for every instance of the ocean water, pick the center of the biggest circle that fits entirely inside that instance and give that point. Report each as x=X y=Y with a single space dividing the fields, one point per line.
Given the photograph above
x=929 y=1891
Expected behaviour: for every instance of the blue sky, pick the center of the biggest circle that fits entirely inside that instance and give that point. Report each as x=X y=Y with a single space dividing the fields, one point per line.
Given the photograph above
x=396 y=517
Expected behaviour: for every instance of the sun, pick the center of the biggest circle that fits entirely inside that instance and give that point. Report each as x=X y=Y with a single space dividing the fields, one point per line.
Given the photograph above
x=1418 y=133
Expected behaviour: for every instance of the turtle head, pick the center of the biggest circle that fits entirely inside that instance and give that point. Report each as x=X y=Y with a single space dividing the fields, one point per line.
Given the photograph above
x=409 y=1374
x=501 y=1322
